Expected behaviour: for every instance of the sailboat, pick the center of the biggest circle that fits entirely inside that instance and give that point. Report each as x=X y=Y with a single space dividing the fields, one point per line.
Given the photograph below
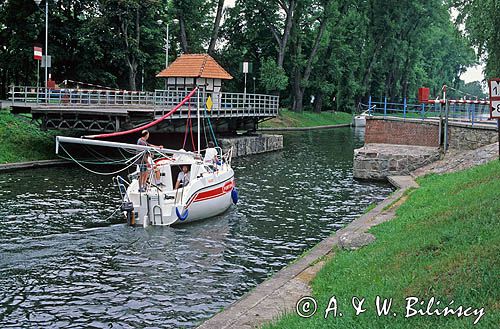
x=208 y=190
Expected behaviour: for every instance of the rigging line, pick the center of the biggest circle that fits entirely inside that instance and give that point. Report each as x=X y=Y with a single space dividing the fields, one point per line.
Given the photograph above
x=111 y=162
x=204 y=130
x=191 y=127
x=187 y=126
x=123 y=155
x=98 y=154
x=211 y=129
x=95 y=162
x=100 y=173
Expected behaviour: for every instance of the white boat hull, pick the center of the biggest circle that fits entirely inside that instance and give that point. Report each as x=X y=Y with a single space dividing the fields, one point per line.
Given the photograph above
x=205 y=198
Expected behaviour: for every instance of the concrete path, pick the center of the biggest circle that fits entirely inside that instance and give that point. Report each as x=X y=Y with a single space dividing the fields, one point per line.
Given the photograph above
x=456 y=161
x=279 y=294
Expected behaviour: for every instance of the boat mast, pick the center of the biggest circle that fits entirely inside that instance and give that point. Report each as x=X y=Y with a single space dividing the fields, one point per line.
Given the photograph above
x=198 y=118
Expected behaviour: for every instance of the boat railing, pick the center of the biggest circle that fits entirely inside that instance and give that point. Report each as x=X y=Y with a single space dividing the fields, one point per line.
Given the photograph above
x=227 y=157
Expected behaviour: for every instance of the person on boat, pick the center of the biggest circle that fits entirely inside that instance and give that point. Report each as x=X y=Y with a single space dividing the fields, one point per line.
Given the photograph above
x=145 y=165
x=183 y=177
x=211 y=158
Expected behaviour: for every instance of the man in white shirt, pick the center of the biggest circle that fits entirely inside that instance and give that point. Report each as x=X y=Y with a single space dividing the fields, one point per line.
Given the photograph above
x=183 y=177
x=210 y=155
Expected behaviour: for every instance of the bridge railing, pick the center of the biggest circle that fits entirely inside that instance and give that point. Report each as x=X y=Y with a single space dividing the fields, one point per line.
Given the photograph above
x=235 y=104
x=468 y=111
x=69 y=97
x=159 y=101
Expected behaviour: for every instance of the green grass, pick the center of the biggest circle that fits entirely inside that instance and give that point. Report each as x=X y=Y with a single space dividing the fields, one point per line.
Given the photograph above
x=22 y=141
x=287 y=118
x=443 y=243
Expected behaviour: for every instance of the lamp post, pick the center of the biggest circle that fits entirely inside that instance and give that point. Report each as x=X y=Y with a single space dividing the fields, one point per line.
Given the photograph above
x=46 y=34
x=167 y=45
x=167 y=41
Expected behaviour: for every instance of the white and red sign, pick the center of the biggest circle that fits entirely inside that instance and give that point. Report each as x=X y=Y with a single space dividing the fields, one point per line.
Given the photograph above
x=494 y=85
x=37 y=53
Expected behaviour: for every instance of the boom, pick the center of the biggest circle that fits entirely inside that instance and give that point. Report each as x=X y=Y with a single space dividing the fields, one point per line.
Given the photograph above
x=82 y=141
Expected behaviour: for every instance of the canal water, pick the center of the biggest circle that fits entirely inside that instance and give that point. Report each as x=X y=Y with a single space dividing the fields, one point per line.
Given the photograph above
x=67 y=261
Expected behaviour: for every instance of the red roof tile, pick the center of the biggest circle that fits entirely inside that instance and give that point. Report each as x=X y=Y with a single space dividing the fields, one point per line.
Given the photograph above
x=195 y=66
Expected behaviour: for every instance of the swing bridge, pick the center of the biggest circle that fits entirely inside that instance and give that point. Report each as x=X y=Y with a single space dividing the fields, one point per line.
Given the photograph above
x=115 y=110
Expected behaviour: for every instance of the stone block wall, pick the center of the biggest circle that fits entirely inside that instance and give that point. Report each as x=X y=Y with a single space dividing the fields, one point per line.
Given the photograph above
x=247 y=145
x=464 y=138
x=394 y=146
x=397 y=131
x=377 y=161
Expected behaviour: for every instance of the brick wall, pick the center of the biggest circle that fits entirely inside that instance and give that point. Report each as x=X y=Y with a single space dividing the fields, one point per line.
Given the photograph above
x=401 y=132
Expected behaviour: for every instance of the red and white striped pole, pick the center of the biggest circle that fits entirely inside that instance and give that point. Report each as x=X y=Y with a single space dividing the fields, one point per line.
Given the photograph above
x=37 y=56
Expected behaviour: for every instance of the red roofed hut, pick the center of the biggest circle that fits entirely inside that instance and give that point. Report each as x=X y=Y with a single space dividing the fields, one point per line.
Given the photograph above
x=190 y=70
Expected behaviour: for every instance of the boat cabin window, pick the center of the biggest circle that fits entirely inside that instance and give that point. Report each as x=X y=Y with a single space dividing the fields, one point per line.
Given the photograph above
x=176 y=169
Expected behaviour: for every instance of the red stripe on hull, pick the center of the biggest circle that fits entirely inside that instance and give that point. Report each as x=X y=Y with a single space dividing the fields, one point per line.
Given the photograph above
x=210 y=194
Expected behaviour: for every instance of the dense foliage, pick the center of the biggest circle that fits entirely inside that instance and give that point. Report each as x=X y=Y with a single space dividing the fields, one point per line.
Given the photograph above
x=325 y=54
x=22 y=141
x=483 y=29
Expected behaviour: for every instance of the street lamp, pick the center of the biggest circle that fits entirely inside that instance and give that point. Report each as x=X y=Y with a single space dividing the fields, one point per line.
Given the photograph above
x=46 y=35
x=167 y=42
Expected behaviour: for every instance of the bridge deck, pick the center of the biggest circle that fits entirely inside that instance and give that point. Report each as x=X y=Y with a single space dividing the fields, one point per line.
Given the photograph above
x=104 y=110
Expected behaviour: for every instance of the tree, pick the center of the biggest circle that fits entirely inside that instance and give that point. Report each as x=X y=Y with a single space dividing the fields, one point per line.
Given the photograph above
x=215 y=29
x=195 y=19
x=483 y=29
x=280 y=25
x=303 y=64
x=272 y=76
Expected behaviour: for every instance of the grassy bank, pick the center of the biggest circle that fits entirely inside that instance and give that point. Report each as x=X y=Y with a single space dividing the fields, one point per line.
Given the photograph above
x=22 y=141
x=288 y=119
x=444 y=243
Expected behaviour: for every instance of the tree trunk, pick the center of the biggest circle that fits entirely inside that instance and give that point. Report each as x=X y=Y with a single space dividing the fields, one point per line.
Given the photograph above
x=298 y=94
x=298 y=88
x=215 y=30
x=182 y=28
x=282 y=38
x=368 y=72
x=132 y=75
x=318 y=101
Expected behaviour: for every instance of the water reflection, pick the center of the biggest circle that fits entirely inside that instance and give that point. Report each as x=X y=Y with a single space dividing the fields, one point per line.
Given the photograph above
x=65 y=263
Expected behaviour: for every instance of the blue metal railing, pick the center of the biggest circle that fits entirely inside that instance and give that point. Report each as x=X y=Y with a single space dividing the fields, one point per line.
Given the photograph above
x=466 y=112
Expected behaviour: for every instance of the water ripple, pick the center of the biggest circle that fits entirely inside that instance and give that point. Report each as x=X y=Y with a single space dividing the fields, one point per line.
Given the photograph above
x=65 y=263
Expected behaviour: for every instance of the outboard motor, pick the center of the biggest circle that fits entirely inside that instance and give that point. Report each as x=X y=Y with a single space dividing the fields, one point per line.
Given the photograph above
x=128 y=207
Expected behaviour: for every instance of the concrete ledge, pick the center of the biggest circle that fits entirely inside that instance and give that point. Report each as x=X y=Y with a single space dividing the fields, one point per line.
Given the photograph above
x=305 y=128
x=402 y=182
x=32 y=164
x=279 y=294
